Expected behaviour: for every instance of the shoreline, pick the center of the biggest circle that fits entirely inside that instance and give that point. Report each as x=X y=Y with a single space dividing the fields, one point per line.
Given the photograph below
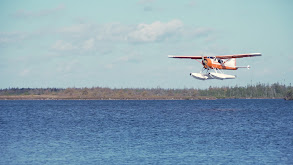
x=52 y=97
x=259 y=91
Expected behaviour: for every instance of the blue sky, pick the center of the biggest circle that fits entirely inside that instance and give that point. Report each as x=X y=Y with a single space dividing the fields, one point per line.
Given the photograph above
x=124 y=44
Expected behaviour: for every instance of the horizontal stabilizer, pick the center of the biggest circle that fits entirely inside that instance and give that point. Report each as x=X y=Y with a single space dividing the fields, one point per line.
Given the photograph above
x=248 y=67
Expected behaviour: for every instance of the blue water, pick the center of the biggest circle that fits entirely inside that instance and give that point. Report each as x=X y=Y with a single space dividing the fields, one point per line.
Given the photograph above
x=146 y=132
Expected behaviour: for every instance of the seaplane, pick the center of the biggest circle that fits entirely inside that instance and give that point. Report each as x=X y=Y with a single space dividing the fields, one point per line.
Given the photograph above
x=216 y=64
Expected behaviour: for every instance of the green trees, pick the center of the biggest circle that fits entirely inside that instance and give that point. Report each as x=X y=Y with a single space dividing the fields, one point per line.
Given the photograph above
x=259 y=90
x=289 y=95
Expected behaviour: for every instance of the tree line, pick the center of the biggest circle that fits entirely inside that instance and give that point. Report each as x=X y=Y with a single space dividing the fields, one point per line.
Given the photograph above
x=259 y=90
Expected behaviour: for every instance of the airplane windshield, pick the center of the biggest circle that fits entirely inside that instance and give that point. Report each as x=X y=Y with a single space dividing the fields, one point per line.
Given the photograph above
x=220 y=60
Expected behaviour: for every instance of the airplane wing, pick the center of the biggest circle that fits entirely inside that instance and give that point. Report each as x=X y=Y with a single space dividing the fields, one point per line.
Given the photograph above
x=239 y=55
x=188 y=57
x=221 y=57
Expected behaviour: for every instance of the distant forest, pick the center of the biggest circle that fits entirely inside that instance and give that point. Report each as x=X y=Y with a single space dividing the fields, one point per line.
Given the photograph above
x=259 y=90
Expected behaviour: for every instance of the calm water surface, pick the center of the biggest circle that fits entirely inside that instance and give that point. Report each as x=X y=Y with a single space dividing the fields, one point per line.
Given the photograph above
x=146 y=132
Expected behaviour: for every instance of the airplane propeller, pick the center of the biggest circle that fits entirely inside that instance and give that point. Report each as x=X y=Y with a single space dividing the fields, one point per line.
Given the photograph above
x=202 y=59
x=204 y=62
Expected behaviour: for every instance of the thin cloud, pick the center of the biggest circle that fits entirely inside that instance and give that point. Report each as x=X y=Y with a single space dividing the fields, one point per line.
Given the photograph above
x=12 y=37
x=196 y=32
x=67 y=66
x=140 y=33
x=78 y=28
x=143 y=2
x=102 y=38
x=25 y=72
x=62 y=46
x=88 y=44
x=155 y=31
x=192 y=3
x=148 y=5
x=41 y=13
x=147 y=8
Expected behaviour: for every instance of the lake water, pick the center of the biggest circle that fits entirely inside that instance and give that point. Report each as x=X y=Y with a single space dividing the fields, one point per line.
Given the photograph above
x=146 y=132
